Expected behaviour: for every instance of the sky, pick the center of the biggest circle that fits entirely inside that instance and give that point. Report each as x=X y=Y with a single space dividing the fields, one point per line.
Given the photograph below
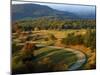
x=66 y=7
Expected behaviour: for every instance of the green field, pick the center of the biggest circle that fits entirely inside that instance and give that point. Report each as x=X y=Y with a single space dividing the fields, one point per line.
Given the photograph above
x=52 y=58
x=57 y=55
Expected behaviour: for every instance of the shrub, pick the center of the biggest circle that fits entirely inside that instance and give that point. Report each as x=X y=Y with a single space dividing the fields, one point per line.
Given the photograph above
x=90 y=39
x=73 y=39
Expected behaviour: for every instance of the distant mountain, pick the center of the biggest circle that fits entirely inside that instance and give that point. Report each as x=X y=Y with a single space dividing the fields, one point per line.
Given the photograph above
x=87 y=15
x=24 y=11
x=83 y=11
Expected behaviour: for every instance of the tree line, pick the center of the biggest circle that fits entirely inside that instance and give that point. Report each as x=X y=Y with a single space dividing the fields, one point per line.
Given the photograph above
x=57 y=24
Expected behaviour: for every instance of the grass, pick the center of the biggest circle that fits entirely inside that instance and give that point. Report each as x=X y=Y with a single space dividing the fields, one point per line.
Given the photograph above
x=61 y=56
x=63 y=33
x=57 y=56
x=47 y=52
x=42 y=50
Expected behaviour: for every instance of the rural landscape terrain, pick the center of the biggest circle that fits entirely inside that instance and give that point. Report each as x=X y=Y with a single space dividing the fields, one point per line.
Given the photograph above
x=45 y=39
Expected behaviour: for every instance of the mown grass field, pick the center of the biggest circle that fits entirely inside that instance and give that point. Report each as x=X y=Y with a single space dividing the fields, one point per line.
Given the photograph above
x=56 y=55
x=55 y=58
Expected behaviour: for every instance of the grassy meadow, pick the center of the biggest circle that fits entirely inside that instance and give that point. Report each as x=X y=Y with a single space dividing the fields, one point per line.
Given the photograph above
x=48 y=40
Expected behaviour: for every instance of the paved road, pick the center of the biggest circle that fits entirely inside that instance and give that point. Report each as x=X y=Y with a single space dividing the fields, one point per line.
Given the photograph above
x=81 y=57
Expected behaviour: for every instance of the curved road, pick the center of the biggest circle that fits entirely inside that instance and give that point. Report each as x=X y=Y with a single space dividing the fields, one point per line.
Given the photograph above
x=81 y=57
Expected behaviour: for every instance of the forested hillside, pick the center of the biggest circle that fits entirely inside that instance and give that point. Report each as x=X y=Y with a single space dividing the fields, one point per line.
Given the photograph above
x=30 y=11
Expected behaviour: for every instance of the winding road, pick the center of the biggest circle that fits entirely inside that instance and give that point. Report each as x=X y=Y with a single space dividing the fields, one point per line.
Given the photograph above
x=81 y=57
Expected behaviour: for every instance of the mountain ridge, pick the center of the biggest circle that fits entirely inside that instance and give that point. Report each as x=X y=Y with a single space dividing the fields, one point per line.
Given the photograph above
x=22 y=11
